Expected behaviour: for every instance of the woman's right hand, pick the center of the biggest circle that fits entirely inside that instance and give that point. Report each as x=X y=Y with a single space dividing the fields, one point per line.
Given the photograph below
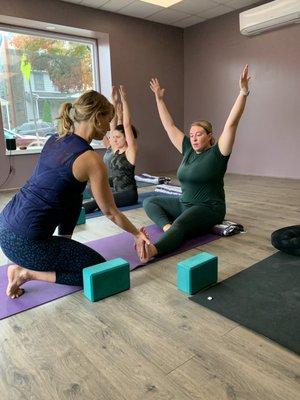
x=141 y=243
x=156 y=89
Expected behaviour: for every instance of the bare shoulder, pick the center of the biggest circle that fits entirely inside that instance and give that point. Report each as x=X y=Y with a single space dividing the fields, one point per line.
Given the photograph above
x=86 y=164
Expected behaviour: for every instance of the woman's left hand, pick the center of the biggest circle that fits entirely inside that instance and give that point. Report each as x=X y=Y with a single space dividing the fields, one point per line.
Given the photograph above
x=244 y=80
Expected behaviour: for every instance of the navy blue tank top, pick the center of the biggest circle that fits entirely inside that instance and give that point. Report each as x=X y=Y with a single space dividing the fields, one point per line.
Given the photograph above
x=51 y=191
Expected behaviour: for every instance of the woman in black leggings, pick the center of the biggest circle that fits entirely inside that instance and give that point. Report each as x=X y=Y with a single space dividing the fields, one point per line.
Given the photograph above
x=120 y=156
x=52 y=198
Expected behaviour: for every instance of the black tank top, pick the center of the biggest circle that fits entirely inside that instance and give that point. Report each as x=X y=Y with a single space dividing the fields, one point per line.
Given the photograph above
x=122 y=172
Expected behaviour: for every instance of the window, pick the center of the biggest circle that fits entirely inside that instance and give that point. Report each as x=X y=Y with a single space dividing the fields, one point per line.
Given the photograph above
x=38 y=78
x=39 y=72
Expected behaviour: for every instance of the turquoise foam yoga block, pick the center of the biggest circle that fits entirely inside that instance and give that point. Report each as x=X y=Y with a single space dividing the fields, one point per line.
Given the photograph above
x=197 y=272
x=106 y=279
x=81 y=218
x=86 y=195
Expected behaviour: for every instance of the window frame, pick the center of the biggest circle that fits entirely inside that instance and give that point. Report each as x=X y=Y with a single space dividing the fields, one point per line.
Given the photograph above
x=60 y=36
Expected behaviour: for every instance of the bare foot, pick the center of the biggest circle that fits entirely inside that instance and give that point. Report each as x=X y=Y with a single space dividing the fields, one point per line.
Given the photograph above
x=150 y=252
x=17 y=276
x=166 y=227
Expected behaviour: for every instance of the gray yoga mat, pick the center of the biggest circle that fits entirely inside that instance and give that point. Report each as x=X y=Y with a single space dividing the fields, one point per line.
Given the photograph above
x=264 y=298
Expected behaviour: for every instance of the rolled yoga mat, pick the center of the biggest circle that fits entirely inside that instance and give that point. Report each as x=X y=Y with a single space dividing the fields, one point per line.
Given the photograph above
x=264 y=298
x=120 y=245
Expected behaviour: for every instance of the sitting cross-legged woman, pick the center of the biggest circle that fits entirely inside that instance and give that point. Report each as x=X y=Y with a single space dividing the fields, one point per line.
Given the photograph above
x=120 y=156
x=201 y=172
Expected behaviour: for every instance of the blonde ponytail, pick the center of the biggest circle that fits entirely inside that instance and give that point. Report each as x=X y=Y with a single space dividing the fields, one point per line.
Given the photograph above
x=66 y=124
x=90 y=106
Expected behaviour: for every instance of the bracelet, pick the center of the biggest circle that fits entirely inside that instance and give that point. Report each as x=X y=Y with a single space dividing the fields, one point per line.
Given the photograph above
x=244 y=93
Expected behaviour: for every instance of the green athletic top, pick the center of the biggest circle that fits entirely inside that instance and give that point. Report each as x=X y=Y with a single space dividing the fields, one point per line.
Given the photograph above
x=201 y=176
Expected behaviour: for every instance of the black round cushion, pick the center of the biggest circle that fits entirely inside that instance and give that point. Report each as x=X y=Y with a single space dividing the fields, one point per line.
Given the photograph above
x=287 y=239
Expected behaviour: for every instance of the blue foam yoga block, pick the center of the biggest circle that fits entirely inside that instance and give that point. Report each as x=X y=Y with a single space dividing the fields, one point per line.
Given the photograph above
x=197 y=272
x=81 y=218
x=105 y=279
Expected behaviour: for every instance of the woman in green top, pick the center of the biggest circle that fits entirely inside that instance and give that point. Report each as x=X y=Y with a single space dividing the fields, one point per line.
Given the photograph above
x=201 y=172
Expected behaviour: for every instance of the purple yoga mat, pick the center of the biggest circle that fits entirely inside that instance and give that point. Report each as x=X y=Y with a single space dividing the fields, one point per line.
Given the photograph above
x=121 y=245
x=36 y=293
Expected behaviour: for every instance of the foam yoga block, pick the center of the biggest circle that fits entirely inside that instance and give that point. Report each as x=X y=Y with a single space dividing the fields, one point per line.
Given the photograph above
x=106 y=279
x=81 y=218
x=197 y=272
x=86 y=195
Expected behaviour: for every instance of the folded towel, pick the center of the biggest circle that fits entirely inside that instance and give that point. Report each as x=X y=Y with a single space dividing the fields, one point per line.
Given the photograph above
x=151 y=179
x=169 y=189
x=164 y=191
x=227 y=228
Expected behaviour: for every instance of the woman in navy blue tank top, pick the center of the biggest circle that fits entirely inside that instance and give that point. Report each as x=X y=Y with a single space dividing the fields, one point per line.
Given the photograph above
x=52 y=198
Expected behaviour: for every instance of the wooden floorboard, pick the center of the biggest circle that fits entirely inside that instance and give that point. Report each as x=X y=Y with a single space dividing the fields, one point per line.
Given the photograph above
x=151 y=342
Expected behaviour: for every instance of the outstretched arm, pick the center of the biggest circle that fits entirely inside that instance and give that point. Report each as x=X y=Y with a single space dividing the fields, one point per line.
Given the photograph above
x=175 y=134
x=89 y=166
x=130 y=139
x=227 y=137
x=119 y=112
x=106 y=142
x=114 y=100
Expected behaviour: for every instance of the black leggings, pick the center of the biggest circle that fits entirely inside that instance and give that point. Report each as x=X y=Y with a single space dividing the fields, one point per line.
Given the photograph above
x=186 y=221
x=57 y=254
x=122 y=199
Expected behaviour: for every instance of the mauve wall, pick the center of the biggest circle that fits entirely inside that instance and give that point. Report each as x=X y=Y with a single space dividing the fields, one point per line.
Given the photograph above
x=268 y=139
x=139 y=50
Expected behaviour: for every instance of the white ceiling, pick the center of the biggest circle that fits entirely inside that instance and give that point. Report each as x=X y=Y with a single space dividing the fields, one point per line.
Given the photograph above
x=183 y=14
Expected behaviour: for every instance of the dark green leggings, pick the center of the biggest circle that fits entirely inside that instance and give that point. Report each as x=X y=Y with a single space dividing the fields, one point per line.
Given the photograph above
x=187 y=220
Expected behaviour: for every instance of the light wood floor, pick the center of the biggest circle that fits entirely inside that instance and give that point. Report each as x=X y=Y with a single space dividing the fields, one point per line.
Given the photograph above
x=151 y=342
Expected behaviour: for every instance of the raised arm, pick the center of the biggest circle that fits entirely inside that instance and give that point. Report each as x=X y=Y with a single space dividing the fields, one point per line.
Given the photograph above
x=227 y=137
x=119 y=112
x=175 y=134
x=106 y=142
x=119 y=118
x=130 y=139
x=114 y=100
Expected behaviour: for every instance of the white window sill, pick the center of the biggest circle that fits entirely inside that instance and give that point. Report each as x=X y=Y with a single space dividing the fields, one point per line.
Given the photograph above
x=38 y=149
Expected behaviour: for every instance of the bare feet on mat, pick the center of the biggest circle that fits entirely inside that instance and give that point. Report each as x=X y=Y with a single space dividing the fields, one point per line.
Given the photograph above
x=150 y=252
x=166 y=227
x=143 y=246
x=17 y=276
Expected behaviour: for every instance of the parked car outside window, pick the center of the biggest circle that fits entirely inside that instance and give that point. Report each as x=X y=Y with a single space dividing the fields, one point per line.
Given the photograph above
x=29 y=128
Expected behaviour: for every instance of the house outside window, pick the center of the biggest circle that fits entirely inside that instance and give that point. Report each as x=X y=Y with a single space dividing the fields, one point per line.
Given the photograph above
x=38 y=78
